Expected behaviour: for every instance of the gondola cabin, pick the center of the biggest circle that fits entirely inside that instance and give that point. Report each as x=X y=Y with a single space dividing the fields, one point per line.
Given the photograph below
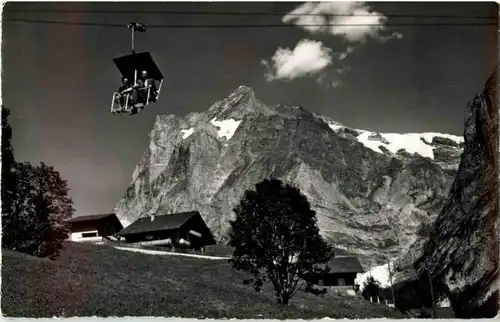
x=141 y=79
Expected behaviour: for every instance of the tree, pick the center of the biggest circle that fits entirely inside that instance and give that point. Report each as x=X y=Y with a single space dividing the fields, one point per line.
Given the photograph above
x=416 y=294
x=8 y=175
x=276 y=238
x=8 y=164
x=371 y=288
x=41 y=207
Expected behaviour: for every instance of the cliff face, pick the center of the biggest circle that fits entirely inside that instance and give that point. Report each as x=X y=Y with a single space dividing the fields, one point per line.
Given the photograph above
x=462 y=251
x=372 y=192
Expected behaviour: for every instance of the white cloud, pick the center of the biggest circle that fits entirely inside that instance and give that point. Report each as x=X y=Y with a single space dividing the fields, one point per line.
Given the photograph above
x=307 y=58
x=353 y=21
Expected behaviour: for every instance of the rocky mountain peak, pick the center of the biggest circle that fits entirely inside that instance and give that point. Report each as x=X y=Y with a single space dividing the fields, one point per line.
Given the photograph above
x=243 y=94
x=366 y=202
x=238 y=104
x=244 y=90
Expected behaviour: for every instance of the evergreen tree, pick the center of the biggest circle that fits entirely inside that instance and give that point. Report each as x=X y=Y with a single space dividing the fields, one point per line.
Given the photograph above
x=276 y=238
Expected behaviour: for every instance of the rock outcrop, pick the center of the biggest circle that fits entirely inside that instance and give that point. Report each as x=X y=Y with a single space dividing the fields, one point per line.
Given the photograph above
x=462 y=252
x=369 y=200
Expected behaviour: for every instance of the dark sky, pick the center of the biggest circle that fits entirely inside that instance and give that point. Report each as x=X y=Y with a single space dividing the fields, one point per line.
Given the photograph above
x=58 y=79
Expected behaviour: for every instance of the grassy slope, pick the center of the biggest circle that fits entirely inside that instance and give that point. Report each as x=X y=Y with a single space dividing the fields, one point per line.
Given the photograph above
x=92 y=280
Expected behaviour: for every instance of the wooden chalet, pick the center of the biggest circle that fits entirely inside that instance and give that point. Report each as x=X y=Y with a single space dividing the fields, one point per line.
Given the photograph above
x=94 y=228
x=343 y=272
x=181 y=230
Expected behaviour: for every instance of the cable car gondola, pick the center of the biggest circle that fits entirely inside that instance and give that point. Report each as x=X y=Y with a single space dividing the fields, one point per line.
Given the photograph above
x=132 y=97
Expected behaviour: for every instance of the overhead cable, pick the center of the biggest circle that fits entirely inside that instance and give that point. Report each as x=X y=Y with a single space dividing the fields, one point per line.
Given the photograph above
x=178 y=26
x=213 y=13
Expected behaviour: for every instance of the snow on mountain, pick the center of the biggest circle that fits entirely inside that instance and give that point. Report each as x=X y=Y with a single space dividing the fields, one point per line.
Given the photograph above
x=187 y=133
x=421 y=143
x=226 y=128
x=410 y=142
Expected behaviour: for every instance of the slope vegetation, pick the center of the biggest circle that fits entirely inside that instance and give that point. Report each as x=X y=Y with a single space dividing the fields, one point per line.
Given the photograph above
x=94 y=280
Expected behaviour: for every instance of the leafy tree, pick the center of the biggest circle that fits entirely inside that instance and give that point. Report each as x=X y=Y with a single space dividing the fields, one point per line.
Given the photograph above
x=40 y=210
x=8 y=175
x=276 y=238
x=371 y=288
x=8 y=164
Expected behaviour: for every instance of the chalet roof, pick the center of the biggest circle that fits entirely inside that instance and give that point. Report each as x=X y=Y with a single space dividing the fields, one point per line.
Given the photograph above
x=160 y=222
x=345 y=264
x=89 y=218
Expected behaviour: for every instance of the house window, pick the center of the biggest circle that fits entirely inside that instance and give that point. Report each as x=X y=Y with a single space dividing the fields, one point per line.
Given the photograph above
x=341 y=282
x=92 y=234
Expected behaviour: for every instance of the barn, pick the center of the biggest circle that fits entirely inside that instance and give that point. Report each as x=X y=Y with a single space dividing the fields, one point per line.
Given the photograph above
x=93 y=228
x=181 y=230
x=343 y=272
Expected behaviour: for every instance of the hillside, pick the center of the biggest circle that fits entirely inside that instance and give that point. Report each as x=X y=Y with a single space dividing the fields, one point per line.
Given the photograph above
x=373 y=192
x=92 y=280
x=462 y=251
